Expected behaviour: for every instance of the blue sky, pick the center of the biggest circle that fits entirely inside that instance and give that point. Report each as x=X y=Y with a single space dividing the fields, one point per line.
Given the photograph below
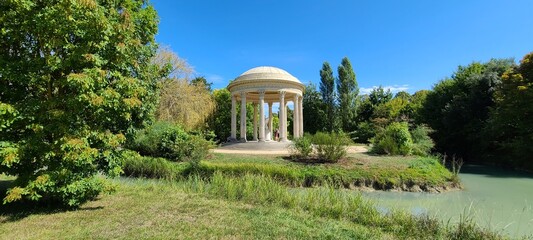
x=407 y=45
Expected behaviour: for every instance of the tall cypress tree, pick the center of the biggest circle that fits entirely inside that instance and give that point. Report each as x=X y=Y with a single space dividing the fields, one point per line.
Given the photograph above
x=347 y=90
x=327 y=89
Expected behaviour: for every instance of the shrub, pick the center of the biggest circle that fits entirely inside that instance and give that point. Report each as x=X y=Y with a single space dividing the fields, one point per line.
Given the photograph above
x=422 y=143
x=302 y=147
x=330 y=147
x=365 y=131
x=170 y=141
x=394 y=140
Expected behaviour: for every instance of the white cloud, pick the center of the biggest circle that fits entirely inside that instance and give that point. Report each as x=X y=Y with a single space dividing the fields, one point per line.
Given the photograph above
x=393 y=88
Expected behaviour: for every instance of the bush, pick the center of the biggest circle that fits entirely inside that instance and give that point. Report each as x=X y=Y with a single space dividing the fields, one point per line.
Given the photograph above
x=330 y=147
x=365 y=131
x=394 y=140
x=170 y=141
x=302 y=147
x=422 y=143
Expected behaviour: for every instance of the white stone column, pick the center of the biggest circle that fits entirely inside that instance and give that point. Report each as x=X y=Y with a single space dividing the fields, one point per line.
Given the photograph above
x=255 y=122
x=233 y=136
x=301 y=111
x=261 y=116
x=282 y=117
x=243 y=116
x=270 y=120
x=296 y=118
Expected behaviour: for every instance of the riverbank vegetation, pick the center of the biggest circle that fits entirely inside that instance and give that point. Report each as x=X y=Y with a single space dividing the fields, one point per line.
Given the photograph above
x=361 y=171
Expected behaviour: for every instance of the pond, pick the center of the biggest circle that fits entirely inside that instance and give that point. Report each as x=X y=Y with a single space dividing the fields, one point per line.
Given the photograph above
x=495 y=198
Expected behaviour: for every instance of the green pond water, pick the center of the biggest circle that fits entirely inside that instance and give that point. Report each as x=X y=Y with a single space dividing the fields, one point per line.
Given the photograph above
x=494 y=198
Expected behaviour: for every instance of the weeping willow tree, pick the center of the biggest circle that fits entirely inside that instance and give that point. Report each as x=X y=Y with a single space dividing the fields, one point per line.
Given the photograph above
x=184 y=103
x=181 y=101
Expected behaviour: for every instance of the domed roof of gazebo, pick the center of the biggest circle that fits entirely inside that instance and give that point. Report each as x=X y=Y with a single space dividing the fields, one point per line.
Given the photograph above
x=266 y=73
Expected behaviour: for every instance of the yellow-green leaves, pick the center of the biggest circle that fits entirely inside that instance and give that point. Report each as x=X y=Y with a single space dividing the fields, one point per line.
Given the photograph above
x=9 y=154
x=7 y=115
x=14 y=194
x=75 y=76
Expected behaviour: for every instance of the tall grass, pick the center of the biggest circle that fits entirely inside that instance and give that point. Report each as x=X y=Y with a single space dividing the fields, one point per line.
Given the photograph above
x=330 y=203
x=424 y=172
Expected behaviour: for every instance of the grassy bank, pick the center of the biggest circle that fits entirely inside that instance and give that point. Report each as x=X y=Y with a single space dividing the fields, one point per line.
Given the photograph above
x=154 y=209
x=244 y=207
x=356 y=171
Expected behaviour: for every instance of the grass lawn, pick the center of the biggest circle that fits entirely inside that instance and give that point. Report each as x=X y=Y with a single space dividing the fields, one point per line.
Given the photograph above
x=410 y=173
x=156 y=209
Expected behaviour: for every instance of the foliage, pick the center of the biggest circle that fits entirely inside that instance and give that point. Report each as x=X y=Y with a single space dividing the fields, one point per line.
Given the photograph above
x=202 y=81
x=330 y=147
x=347 y=90
x=422 y=143
x=302 y=147
x=510 y=125
x=184 y=103
x=327 y=90
x=379 y=109
x=168 y=140
x=364 y=132
x=314 y=115
x=220 y=119
x=77 y=75
x=415 y=106
x=394 y=140
x=458 y=107
x=393 y=110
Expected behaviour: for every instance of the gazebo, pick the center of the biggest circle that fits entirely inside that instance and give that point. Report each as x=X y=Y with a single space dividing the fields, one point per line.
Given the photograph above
x=269 y=85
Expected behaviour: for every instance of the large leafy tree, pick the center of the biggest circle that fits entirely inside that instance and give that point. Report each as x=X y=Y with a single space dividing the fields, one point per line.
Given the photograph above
x=458 y=107
x=510 y=126
x=314 y=111
x=220 y=119
x=347 y=90
x=369 y=114
x=369 y=103
x=327 y=90
x=74 y=77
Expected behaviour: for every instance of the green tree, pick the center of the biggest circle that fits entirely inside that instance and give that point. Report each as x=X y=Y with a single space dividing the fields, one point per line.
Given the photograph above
x=202 y=81
x=510 y=125
x=347 y=90
x=327 y=89
x=369 y=103
x=315 y=117
x=458 y=107
x=415 y=106
x=78 y=75
x=220 y=120
x=403 y=95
